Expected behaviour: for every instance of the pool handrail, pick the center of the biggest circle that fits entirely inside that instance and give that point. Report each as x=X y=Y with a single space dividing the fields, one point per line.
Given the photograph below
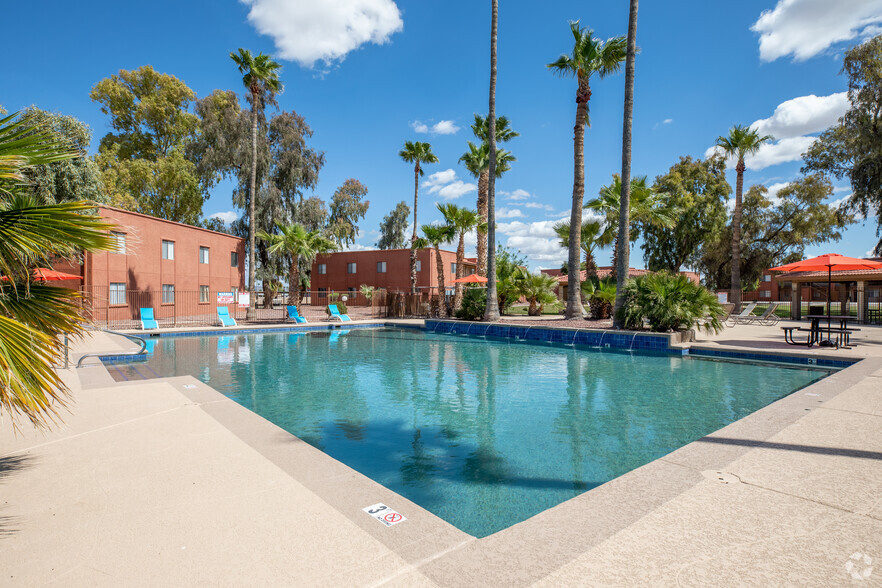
x=134 y=338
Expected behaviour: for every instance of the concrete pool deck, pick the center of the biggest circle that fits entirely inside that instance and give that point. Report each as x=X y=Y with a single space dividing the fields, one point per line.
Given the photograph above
x=167 y=482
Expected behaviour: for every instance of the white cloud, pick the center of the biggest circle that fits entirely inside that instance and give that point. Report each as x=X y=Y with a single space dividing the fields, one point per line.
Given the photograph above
x=440 y=178
x=446 y=185
x=803 y=116
x=538 y=205
x=444 y=127
x=226 y=217
x=773 y=191
x=419 y=127
x=518 y=195
x=509 y=213
x=306 y=31
x=804 y=28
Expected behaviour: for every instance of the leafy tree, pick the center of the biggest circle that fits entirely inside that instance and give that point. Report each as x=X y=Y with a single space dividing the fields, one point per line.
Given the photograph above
x=510 y=268
x=216 y=224
x=853 y=147
x=301 y=246
x=76 y=178
x=461 y=221
x=347 y=209
x=775 y=232
x=593 y=236
x=739 y=143
x=697 y=190
x=435 y=236
x=393 y=226
x=34 y=316
x=416 y=153
x=590 y=56
x=260 y=75
x=143 y=163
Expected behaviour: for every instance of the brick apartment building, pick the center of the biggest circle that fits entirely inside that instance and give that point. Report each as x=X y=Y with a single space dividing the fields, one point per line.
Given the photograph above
x=347 y=271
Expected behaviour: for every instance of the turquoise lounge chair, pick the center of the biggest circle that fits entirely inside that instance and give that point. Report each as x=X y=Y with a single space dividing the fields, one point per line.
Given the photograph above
x=295 y=316
x=223 y=315
x=335 y=313
x=147 y=319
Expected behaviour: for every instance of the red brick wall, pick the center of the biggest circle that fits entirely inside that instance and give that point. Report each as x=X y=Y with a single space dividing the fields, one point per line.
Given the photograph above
x=396 y=277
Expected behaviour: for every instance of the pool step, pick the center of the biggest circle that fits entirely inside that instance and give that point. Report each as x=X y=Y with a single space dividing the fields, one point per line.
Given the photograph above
x=129 y=371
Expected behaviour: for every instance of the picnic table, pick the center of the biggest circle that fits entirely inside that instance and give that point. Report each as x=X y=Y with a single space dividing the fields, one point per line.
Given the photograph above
x=843 y=332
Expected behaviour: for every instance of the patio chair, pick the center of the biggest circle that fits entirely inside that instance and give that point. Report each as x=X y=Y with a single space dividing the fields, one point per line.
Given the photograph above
x=147 y=319
x=223 y=315
x=767 y=318
x=733 y=319
x=295 y=316
x=335 y=313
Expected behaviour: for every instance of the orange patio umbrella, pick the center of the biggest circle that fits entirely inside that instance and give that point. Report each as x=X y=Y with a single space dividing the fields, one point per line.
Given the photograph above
x=470 y=279
x=42 y=274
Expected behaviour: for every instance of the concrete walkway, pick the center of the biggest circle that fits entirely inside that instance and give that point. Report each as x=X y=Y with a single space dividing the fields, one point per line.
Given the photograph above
x=170 y=483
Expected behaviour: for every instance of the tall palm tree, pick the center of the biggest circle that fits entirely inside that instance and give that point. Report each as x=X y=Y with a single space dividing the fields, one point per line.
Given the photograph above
x=623 y=261
x=435 y=236
x=35 y=317
x=477 y=162
x=260 y=75
x=491 y=312
x=301 y=246
x=590 y=56
x=461 y=220
x=741 y=142
x=416 y=153
x=593 y=236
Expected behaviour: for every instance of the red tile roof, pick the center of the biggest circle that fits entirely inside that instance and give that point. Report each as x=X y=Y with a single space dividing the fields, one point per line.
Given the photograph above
x=605 y=271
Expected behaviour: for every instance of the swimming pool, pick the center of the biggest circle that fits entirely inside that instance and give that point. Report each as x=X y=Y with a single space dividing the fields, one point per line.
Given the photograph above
x=482 y=433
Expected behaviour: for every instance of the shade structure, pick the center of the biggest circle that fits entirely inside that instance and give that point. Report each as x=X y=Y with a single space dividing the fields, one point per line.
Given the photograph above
x=830 y=262
x=42 y=274
x=470 y=279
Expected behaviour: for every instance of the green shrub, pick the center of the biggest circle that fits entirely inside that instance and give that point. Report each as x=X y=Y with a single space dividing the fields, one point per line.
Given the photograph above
x=601 y=295
x=670 y=302
x=341 y=307
x=474 y=303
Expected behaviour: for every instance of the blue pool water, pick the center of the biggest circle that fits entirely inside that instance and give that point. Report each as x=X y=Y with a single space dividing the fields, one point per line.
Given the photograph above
x=483 y=434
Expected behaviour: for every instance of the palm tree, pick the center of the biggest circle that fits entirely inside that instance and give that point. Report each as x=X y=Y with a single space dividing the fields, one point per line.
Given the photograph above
x=477 y=161
x=741 y=142
x=593 y=236
x=538 y=289
x=623 y=261
x=416 y=153
x=461 y=220
x=435 y=236
x=301 y=245
x=590 y=56
x=491 y=312
x=35 y=317
x=261 y=76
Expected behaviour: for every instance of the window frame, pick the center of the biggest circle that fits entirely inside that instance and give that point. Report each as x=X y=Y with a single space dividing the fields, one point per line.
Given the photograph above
x=207 y=298
x=113 y=293
x=166 y=289
x=381 y=267
x=322 y=269
x=207 y=251
x=352 y=267
x=234 y=259
x=168 y=250
x=119 y=238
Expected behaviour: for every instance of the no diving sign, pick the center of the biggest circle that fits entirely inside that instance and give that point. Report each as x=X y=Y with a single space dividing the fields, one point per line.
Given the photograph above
x=384 y=514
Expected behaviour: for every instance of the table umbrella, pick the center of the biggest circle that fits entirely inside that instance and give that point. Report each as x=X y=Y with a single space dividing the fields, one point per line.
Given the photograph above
x=830 y=262
x=470 y=279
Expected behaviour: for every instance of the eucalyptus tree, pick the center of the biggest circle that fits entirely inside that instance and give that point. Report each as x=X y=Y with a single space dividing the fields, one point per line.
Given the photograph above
x=491 y=311
x=623 y=262
x=739 y=143
x=416 y=153
x=260 y=74
x=461 y=221
x=393 y=227
x=434 y=236
x=347 y=208
x=301 y=247
x=593 y=236
x=590 y=56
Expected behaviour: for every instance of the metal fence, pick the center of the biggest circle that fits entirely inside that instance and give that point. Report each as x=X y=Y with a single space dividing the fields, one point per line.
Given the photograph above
x=817 y=307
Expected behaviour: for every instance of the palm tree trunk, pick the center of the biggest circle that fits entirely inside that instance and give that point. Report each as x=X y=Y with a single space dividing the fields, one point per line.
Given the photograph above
x=624 y=253
x=735 y=291
x=442 y=289
x=483 y=181
x=416 y=188
x=252 y=196
x=491 y=313
x=460 y=256
x=294 y=282
x=574 y=291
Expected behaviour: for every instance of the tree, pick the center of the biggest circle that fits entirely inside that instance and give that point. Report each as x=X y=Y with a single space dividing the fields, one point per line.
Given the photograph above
x=143 y=163
x=435 y=236
x=301 y=246
x=461 y=220
x=510 y=269
x=393 y=226
x=852 y=148
x=697 y=191
x=261 y=76
x=590 y=56
x=775 y=232
x=739 y=143
x=416 y=153
x=592 y=236
x=347 y=209
x=35 y=317
x=75 y=178
x=623 y=261
x=491 y=311
x=538 y=290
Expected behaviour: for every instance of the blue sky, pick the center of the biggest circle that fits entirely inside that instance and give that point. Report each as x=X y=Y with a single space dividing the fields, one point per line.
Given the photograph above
x=370 y=74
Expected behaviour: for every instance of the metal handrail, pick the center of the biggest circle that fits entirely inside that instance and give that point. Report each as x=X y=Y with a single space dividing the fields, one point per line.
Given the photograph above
x=127 y=336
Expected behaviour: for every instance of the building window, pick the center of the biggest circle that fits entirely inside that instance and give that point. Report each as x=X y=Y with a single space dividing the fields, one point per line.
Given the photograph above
x=203 y=294
x=453 y=268
x=381 y=267
x=419 y=266
x=350 y=267
x=767 y=278
x=234 y=259
x=352 y=291
x=322 y=268
x=168 y=249
x=322 y=293
x=117 y=293
x=119 y=242
x=766 y=294
x=168 y=293
x=203 y=255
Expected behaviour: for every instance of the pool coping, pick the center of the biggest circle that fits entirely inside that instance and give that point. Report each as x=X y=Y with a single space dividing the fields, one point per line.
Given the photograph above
x=448 y=556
